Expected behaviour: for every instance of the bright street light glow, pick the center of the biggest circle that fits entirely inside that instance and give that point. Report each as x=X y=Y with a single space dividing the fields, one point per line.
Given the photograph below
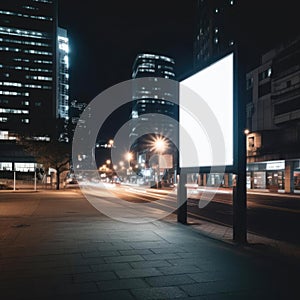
x=159 y=144
x=128 y=155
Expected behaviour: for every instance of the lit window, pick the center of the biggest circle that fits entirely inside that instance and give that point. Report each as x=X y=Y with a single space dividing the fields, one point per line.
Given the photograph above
x=42 y=61
x=37 y=52
x=24 y=33
x=43 y=1
x=10 y=49
x=13 y=111
x=269 y=72
x=5 y=83
x=5 y=166
x=25 y=167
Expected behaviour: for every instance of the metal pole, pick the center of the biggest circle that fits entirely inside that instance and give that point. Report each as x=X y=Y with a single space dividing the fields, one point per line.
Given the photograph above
x=14 y=180
x=35 y=180
x=182 y=198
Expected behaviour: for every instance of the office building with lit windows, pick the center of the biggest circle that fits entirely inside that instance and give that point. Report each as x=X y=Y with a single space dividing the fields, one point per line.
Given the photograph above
x=273 y=120
x=62 y=74
x=149 y=97
x=152 y=97
x=28 y=68
x=214 y=32
x=62 y=78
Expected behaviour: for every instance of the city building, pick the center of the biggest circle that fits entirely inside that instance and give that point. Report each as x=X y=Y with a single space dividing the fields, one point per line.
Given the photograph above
x=214 y=32
x=273 y=120
x=29 y=85
x=27 y=67
x=76 y=109
x=151 y=98
x=62 y=78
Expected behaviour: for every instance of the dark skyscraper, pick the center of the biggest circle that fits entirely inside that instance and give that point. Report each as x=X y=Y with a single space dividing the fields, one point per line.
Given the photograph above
x=153 y=100
x=150 y=96
x=214 y=29
x=28 y=43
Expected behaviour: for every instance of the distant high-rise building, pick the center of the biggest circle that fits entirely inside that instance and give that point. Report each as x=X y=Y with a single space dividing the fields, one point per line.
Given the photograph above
x=214 y=29
x=33 y=90
x=62 y=75
x=28 y=39
x=152 y=98
x=76 y=109
x=62 y=78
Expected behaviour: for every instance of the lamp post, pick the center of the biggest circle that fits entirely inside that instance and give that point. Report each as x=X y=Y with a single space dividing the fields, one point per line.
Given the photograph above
x=128 y=157
x=159 y=145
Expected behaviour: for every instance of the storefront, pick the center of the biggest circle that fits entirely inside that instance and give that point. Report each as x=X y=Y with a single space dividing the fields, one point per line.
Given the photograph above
x=297 y=180
x=266 y=175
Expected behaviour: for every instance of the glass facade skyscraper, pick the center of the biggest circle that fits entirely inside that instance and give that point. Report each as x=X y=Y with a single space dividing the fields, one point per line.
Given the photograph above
x=62 y=80
x=154 y=100
x=63 y=74
x=28 y=43
x=151 y=97
x=214 y=29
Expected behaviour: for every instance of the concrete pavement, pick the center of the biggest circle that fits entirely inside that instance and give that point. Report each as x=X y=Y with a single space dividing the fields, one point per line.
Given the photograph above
x=55 y=245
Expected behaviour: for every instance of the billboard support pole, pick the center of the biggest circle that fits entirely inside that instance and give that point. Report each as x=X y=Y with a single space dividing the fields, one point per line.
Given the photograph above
x=239 y=187
x=182 y=198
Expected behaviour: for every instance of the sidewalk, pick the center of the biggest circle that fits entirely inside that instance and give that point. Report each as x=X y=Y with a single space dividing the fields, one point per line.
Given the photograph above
x=256 y=243
x=55 y=245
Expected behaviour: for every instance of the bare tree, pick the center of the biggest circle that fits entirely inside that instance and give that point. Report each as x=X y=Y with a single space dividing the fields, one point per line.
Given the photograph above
x=53 y=154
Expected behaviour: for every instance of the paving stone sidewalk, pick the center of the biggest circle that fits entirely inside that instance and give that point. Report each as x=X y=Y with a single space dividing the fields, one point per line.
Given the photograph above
x=55 y=245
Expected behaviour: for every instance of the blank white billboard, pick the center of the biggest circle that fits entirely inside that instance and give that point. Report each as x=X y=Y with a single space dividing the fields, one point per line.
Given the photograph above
x=206 y=116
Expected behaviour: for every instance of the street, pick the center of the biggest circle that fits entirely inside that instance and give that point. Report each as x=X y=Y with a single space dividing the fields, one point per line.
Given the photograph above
x=275 y=217
x=272 y=216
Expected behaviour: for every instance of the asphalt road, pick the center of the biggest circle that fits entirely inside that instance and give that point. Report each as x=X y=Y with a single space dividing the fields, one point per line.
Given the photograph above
x=272 y=216
x=276 y=217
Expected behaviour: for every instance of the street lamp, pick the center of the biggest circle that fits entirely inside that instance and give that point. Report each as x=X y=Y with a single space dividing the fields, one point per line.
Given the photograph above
x=128 y=157
x=246 y=131
x=110 y=143
x=159 y=145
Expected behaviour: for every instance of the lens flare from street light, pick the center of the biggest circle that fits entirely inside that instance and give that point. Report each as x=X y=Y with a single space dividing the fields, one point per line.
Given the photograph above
x=128 y=155
x=159 y=144
x=110 y=143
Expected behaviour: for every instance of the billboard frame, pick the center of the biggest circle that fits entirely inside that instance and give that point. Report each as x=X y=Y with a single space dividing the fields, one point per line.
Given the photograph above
x=238 y=168
x=228 y=168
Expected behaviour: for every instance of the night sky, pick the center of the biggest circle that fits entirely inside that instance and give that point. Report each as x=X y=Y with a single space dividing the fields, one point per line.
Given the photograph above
x=106 y=36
